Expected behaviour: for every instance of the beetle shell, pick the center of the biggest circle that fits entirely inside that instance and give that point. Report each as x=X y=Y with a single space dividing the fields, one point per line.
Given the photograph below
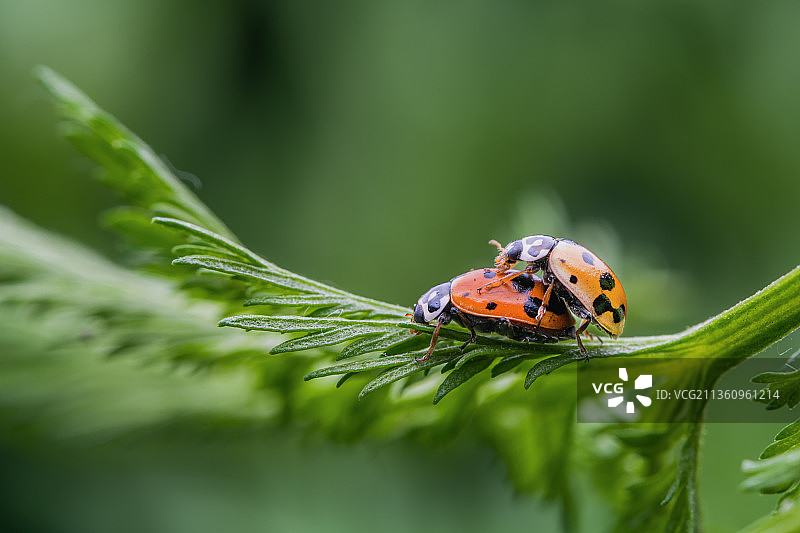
x=591 y=282
x=518 y=302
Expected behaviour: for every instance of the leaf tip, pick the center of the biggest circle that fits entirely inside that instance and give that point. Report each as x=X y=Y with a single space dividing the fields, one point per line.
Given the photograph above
x=344 y=378
x=369 y=388
x=44 y=74
x=532 y=375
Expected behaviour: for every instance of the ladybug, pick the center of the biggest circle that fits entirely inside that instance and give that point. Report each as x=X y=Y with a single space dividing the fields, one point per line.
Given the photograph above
x=512 y=309
x=577 y=276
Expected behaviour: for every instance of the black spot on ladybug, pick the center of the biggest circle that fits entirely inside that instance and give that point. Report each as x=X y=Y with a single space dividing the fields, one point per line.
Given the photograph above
x=532 y=306
x=619 y=314
x=587 y=258
x=433 y=305
x=602 y=305
x=465 y=294
x=491 y=306
x=563 y=260
x=556 y=306
x=513 y=251
x=488 y=274
x=523 y=283
x=573 y=279
x=606 y=281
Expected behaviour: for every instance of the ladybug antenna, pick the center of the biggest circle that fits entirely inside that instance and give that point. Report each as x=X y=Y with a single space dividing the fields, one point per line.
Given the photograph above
x=499 y=246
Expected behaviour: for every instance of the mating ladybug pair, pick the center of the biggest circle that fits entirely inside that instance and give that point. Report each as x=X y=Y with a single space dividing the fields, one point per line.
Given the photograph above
x=525 y=307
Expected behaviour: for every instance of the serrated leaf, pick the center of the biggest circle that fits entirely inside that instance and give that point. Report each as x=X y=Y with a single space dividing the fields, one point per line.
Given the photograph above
x=783 y=443
x=775 y=474
x=357 y=366
x=450 y=365
x=244 y=271
x=460 y=375
x=64 y=310
x=787 y=384
x=297 y=300
x=344 y=378
x=508 y=363
x=201 y=250
x=778 y=467
x=289 y=324
x=548 y=365
x=132 y=167
x=267 y=271
x=372 y=344
x=395 y=374
x=409 y=344
x=389 y=377
x=324 y=338
x=791 y=430
x=467 y=358
x=210 y=237
x=483 y=351
x=474 y=352
x=413 y=379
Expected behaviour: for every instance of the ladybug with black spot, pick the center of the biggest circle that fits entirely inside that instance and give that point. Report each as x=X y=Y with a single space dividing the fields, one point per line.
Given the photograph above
x=513 y=309
x=577 y=276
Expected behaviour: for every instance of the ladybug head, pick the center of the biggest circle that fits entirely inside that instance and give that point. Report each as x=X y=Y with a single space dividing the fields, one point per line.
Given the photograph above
x=432 y=304
x=532 y=249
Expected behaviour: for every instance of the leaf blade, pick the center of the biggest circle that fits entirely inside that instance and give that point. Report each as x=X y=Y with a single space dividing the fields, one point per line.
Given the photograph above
x=460 y=375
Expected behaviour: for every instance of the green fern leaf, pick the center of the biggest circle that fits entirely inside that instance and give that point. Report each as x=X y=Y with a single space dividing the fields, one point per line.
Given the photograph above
x=461 y=373
x=786 y=384
x=324 y=316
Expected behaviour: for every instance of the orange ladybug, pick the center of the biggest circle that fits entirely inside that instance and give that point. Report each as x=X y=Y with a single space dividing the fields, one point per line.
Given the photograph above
x=577 y=276
x=512 y=309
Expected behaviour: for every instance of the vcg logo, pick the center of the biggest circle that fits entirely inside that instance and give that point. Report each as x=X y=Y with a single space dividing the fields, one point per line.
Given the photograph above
x=644 y=381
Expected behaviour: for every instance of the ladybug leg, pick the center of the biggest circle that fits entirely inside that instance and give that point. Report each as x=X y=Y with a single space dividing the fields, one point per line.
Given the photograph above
x=501 y=262
x=593 y=337
x=580 y=330
x=434 y=340
x=467 y=324
x=545 y=300
x=499 y=281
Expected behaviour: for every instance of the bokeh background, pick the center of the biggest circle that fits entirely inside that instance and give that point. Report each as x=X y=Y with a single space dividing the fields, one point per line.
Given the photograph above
x=378 y=146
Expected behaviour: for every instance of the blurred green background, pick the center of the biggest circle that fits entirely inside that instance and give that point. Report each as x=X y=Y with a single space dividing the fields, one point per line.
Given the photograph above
x=661 y=136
